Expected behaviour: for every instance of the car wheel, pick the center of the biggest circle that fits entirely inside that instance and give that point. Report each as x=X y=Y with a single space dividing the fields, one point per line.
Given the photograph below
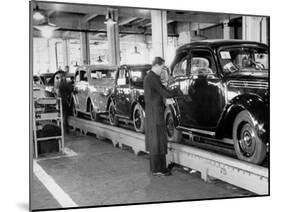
x=138 y=118
x=74 y=110
x=248 y=145
x=93 y=114
x=113 y=120
x=173 y=135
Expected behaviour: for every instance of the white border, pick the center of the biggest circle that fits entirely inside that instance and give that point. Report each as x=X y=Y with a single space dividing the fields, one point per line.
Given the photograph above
x=14 y=103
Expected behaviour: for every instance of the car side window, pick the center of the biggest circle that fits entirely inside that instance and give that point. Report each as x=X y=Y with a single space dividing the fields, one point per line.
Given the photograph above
x=83 y=76
x=180 y=69
x=202 y=63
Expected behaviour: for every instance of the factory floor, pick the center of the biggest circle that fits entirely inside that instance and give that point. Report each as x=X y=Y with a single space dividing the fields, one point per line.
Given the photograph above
x=94 y=173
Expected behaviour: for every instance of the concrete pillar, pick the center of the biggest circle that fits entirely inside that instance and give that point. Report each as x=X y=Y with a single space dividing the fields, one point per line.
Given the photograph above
x=184 y=30
x=84 y=48
x=264 y=30
x=113 y=37
x=65 y=52
x=255 y=29
x=226 y=30
x=159 y=33
x=52 y=55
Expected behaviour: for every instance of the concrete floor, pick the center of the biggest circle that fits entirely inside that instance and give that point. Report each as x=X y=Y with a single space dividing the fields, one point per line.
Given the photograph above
x=103 y=175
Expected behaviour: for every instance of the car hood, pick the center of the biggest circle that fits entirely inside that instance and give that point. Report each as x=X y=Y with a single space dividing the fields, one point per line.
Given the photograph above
x=248 y=75
x=256 y=84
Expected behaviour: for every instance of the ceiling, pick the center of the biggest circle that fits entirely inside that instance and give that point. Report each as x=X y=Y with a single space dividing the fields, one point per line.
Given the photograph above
x=73 y=18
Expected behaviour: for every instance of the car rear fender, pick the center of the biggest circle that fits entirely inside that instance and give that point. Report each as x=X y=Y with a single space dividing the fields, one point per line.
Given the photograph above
x=110 y=99
x=139 y=100
x=256 y=106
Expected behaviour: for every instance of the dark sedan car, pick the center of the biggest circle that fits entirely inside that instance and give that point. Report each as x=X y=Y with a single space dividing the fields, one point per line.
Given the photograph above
x=127 y=100
x=225 y=87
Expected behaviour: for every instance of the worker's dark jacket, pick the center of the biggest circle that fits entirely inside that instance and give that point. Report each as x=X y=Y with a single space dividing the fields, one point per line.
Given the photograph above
x=65 y=91
x=155 y=129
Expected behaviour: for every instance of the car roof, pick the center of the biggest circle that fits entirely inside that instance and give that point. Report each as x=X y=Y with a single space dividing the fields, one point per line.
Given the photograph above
x=97 y=67
x=133 y=66
x=216 y=43
x=46 y=74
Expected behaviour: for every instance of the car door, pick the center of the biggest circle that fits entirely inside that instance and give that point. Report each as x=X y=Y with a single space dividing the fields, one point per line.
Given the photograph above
x=205 y=91
x=180 y=74
x=122 y=93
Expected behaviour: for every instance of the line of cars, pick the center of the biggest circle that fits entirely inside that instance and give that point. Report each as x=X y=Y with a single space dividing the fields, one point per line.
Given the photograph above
x=225 y=95
x=44 y=84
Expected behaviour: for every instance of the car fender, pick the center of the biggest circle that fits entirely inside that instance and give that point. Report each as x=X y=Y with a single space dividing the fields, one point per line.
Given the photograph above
x=171 y=102
x=254 y=104
x=138 y=100
x=110 y=99
x=75 y=101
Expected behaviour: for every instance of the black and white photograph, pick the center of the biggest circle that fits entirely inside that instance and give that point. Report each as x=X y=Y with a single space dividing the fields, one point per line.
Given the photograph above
x=136 y=105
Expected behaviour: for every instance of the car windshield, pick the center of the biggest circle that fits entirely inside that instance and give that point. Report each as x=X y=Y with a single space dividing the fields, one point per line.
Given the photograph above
x=102 y=74
x=244 y=59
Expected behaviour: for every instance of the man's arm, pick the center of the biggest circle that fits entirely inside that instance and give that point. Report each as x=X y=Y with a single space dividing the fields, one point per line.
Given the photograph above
x=157 y=85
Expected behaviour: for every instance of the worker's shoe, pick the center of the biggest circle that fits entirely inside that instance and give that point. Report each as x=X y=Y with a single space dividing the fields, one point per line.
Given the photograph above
x=166 y=173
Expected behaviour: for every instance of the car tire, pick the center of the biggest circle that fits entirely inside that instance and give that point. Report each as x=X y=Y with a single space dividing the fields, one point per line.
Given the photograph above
x=173 y=135
x=75 y=113
x=93 y=114
x=247 y=144
x=138 y=118
x=113 y=120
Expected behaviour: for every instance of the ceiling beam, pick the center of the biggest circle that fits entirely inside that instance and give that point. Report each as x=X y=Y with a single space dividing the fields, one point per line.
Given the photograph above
x=50 y=13
x=89 y=17
x=123 y=21
x=197 y=18
x=133 y=12
x=93 y=9
x=73 y=8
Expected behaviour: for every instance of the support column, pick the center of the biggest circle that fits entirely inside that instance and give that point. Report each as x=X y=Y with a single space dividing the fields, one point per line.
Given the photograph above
x=226 y=30
x=255 y=29
x=184 y=33
x=113 y=37
x=84 y=48
x=159 y=33
x=52 y=56
x=65 y=52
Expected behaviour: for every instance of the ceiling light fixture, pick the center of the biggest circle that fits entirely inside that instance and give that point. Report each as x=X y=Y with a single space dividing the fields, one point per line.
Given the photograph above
x=136 y=50
x=46 y=29
x=100 y=60
x=38 y=15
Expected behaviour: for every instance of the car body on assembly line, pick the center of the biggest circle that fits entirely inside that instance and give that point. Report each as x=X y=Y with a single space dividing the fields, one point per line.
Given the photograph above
x=225 y=95
x=127 y=99
x=92 y=88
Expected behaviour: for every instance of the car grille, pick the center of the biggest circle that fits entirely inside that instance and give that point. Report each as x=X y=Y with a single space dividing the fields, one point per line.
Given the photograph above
x=248 y=84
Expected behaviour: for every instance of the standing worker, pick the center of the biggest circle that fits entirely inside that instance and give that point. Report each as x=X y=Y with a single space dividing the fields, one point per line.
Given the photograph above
x=65 y=90
x=155 y=128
